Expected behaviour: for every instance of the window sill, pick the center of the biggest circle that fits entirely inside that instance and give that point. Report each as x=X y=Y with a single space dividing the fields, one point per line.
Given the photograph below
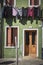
x=10 y=47
x=34 y=5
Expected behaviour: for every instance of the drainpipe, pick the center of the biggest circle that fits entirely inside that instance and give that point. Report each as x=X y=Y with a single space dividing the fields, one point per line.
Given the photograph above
x=16 y=50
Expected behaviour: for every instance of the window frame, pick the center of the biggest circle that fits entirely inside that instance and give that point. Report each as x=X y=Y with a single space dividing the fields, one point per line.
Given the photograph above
x=6 y=35
x=34 y=5
x=4 y=3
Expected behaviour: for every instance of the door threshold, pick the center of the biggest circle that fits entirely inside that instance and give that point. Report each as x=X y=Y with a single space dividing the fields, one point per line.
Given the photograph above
x=28 y=57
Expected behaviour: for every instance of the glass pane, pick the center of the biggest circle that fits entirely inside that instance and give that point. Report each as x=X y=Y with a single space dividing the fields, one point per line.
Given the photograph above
x=13 y=34
x=33 y=38
x=27 y=38
x=36 y=2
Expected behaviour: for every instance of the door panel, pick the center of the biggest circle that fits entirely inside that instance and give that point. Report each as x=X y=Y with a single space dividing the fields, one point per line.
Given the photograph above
x=33 y=50
x=33 y=45
x=30 y=43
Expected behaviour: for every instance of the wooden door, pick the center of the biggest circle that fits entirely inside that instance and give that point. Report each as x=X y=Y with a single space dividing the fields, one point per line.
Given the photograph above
x=30 y=43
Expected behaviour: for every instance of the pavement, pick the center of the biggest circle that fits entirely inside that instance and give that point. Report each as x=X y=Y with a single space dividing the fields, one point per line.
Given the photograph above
x=21 y=62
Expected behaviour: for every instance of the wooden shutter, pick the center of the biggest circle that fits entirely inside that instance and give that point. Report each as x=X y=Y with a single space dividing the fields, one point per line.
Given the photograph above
x=9 y=36
x=31 y=2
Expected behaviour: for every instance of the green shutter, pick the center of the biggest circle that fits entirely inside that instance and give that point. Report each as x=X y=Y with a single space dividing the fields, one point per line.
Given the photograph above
x=22 y=3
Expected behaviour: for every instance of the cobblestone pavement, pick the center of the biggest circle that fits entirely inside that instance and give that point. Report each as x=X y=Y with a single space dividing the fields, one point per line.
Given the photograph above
x=22 y=62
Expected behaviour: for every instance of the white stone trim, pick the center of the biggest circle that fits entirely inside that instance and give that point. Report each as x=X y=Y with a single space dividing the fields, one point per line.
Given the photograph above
x=42 y=37
x=14 y=3
x=4 y=3
x=34 y=5
x=23 y=40
x=5 y=37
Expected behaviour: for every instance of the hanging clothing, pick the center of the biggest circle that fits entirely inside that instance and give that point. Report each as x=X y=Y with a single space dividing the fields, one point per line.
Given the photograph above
x=30 y=12
x=14 y=12
x=19 y=15
x=40 y=13
x=7 y=11
x=3 y=12
x=20 y=11
x=36 y=12
x=24 y=12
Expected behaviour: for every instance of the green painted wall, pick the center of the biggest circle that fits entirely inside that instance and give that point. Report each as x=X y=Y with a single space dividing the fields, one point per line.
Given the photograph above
x=41 y=3
x=22 y=3
x=11 y=52
x=40 y=42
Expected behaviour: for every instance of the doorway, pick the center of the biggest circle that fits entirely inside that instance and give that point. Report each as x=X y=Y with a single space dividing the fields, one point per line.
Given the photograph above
x=30 y=43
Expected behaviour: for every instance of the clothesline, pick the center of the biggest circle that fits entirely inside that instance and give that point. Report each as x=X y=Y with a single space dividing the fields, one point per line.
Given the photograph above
x=22 y=12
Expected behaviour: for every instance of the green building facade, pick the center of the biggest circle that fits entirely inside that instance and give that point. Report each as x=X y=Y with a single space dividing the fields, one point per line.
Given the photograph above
x=10 y=52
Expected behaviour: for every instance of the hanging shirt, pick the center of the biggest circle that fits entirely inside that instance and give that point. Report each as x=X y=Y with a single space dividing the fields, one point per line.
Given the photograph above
x=7 y=11
x=30 y=12
x=37 y=12
x=14 y=11
x=20 y=11
x=24 y=12
x=3 y=12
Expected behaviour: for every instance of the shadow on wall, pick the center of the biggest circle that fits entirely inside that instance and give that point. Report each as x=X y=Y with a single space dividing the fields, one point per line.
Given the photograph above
x=23 y=21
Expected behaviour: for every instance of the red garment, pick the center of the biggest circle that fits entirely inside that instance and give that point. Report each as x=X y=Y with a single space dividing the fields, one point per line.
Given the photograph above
x=31 y=12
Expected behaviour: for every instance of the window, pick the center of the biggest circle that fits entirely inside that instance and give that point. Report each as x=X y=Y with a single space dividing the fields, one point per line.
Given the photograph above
x=34 y=3
x=10 y=2
x=10 y=35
